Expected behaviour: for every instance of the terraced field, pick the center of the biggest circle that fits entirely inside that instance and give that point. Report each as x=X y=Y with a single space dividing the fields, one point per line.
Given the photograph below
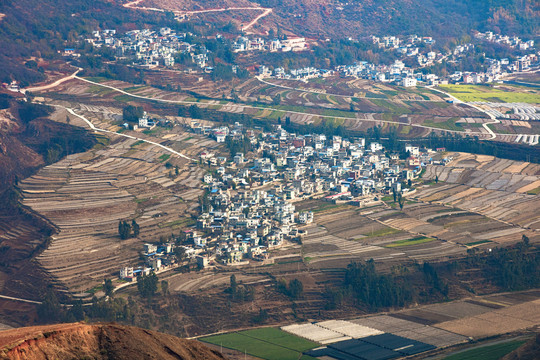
x=499 y=189
x=380 y=233
x=86 y=194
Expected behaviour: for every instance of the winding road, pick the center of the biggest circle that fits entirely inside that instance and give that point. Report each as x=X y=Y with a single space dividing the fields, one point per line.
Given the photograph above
x=52 y=85
x=261 y=79
x=93 y=127
x=265 y=11
x=485 y=125
x=274 y=109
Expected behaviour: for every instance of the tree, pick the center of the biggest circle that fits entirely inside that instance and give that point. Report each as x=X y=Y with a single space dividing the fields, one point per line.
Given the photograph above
x=195 y=112
x=351 y=107
x=296 y=288
x=436 y=179
x=132 y=113
x=401 y=201
x=234 y=284
x=108 y=287
x=124 y=230
x=77 y=310
x=135 y=227
x=277 y=99
x=164 y=287
x=287 y=121
x=50 y=309
x=147 y=285
x=180 y=253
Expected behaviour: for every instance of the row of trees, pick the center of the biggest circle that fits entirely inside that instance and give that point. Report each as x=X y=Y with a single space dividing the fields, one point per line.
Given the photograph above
x=374 y=289
x=240 y=293
x=127 y=230
x=294 y=289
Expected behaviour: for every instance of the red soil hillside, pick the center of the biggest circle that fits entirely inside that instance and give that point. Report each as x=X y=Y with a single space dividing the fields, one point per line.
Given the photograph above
x=98 y=341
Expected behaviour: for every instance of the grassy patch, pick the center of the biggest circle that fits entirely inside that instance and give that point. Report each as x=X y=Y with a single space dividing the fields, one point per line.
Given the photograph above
x=178 y=223
x=164 y=157
x=139 y=201
x=391 y=106
x=266 y=343
x=96 y=79
x=137 y=143
x=407 y=242
x=383 y=232
x=470 y=93
x=284 y=339
x=102 y=142
x=490 y=352
x=449 y=124
x=123 y=98
x=134 y=88
x=478 y=242
x=534 y=191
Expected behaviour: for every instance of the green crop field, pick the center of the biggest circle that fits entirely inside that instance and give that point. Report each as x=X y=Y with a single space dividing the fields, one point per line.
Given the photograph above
x=407 y=242
x=284 y=339
x=491 y=352
x=265 y=343
x=382 y=232
x=471 y=93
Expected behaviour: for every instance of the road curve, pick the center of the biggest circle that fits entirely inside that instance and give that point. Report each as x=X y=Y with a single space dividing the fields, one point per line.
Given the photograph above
x=93 y=127
x=51 y=85
x=265 y=11
x=485 y=125
x=273 y=109
x=325 y=93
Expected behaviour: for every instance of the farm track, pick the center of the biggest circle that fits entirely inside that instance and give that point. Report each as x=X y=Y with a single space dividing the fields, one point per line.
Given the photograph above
x=85 y=196
x=179 y=13
x=238 y=108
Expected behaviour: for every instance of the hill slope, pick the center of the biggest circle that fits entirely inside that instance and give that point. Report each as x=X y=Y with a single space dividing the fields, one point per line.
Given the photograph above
x=98 y=341
x=437 y=18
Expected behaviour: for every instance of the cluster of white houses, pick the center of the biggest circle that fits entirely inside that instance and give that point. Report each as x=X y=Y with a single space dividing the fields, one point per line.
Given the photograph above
x=248 y=210
x=150 y=48
x=512 y=41
x=244 y=43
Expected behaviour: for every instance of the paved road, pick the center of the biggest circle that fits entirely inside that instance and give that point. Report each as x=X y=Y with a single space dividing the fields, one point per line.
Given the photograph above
x=265 y=11
x=485 y=125
x=93 y=127
x=325 y=93
x=19 y=299
x=74 y=76
x=54 y=84
x=273 y=109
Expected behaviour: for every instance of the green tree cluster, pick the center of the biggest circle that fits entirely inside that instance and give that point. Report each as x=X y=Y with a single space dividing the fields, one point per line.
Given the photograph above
x=127 y=230
x=131 y=114
x=147 y=285
x=240 y=293
x=374 y=289
x=294 y=289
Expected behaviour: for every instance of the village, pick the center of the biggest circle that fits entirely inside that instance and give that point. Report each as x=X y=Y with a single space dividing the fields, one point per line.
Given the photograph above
x=248 y=209
x=148 y=48
x=151 y=49
x=418 y=49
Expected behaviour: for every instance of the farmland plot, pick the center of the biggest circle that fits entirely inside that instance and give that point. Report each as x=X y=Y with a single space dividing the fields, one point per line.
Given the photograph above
x=86 y=195
x=492 y=187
